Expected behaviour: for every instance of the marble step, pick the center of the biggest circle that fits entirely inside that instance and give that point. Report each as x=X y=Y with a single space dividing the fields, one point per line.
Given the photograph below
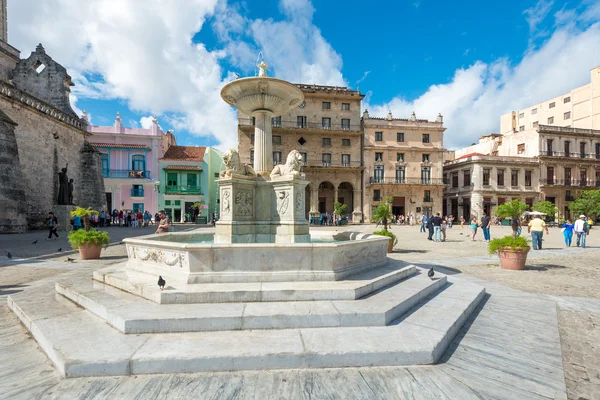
x=353 y=287
x=80 y=344
x=133 y=315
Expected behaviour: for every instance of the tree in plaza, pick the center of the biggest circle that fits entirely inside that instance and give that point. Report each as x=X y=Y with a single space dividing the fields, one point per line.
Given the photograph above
x=545 y=207
x=587 y=204
x=340 y=209
x=383 y=212
x=198 y=205
x=512 y=209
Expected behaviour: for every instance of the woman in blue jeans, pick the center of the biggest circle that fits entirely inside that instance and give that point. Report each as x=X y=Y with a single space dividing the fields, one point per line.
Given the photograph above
x=568 y=232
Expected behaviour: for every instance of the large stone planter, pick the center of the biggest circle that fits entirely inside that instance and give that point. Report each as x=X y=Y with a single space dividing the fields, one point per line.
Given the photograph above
x=89 y=251
x=513 y=258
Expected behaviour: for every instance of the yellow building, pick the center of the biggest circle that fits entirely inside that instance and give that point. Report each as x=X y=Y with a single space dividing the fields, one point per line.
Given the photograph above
x=403 y=158
x=326 y=130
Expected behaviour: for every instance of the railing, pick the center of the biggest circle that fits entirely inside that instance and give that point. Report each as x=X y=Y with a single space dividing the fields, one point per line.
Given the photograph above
x=405 y=181
x=569 y=182
x=569 y=198
x=137 y=192
x=172 y=189
x=331 y=163
x=305 y=125
x=125 y=173
x=569 y=154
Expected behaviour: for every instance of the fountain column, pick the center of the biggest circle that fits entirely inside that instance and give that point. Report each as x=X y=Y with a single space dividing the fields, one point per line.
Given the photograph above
x=263 y=142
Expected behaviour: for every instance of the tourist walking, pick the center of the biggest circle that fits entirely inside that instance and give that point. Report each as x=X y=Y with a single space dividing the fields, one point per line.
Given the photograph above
x=437 y=228
x=411 y=220
x=537 y=226
x=567 y=230
x=462 y=222
x=423 y=223
x=515 y=224
x=582 y=229
x=486 y=222
x=474 y=226
x=444 y=227
x=53 y=224
x=76 y=222
x=430 y=228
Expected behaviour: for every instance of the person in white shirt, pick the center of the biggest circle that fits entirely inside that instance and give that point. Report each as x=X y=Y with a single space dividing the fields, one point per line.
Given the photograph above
x=581 y=229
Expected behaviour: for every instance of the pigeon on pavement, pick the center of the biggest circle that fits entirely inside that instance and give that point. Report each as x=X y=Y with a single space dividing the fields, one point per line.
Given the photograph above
x=430 y=273
x=60 y=249
x=9 y=255
x=69 y=259
x=34 y=242
x=161 y=282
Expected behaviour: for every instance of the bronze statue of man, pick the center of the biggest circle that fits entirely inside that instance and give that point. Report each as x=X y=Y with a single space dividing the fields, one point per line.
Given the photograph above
x=63 y=186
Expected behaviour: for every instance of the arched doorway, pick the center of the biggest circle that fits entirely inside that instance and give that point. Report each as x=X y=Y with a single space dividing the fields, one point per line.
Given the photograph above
x=326 y=193
x=346 y=196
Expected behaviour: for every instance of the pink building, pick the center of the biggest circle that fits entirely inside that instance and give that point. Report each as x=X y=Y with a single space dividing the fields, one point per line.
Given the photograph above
x=130 y=163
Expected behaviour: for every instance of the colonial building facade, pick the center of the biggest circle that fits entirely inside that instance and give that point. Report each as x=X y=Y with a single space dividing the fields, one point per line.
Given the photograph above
x=557 y=140
x=39 y=135
x=477 y=183
x=129 y=164
x=326 y=130
x=403 y=159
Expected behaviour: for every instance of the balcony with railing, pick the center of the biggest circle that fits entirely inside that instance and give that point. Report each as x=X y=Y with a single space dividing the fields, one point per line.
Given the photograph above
x=137 y=192
x=331 y=163
x=405 y=181
x=125 y=174
x=570 y=182
x=176 y=189
x=569 y=154
x=305 y=125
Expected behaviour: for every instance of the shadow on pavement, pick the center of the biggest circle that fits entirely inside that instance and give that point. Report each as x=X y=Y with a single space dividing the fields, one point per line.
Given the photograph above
x=544 y=267
x=5 y=290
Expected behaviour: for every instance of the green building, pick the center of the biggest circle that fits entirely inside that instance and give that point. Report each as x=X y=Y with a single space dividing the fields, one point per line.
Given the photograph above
x=187 y=176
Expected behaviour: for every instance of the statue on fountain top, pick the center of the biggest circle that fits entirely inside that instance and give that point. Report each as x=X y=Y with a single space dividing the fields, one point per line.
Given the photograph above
x=292 y=165
x=233 y=165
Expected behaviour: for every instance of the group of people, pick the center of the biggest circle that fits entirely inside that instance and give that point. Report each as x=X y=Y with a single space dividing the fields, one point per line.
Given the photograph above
x=328 y=219
x=403 y=219
x=436 y=226
x=581 y=229
x=484 y=224
x=133 y=219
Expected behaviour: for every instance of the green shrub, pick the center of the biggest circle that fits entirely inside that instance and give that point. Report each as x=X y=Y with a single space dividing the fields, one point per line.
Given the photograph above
x=518 y=242
x=81 y=236
x=385 y=232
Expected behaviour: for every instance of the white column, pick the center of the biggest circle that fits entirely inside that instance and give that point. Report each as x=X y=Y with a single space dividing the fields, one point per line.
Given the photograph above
x=263 y=142
x=314 y=200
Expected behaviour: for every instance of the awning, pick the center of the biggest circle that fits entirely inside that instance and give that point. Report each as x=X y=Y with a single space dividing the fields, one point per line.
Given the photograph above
x=182 y=167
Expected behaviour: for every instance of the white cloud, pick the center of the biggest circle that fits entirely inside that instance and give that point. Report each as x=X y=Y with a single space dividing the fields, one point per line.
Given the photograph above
x=476 y=96
x=142 y=54
x=146 y=122
x=363 y=77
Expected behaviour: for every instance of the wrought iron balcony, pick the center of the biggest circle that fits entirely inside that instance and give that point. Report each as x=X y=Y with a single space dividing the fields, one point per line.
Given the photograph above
x=125 y=174
x=137 y=192
x=335 y=163
x=569 y=154
x=405 y=181
x=570 y=182
x=172 y=189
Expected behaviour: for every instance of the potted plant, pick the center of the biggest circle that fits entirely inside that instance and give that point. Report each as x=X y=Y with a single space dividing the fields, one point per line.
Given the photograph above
x=88 y=241
x=340 y=210
x=383 y=213
x=512 y=251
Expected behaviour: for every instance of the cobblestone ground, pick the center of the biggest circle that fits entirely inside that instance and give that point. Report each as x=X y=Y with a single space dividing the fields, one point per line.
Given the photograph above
x=579 y=336
x=556 y=270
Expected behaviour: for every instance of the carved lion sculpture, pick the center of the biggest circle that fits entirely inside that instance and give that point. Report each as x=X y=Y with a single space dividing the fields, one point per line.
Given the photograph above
x=233 y=165
x=292 y=165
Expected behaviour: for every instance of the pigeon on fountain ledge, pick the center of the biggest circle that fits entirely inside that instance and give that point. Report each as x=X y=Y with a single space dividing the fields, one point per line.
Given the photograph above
x=430 y=273
x=161 y=283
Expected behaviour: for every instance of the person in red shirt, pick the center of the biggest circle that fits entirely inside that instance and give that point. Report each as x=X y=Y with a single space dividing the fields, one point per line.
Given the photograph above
x=140 y=219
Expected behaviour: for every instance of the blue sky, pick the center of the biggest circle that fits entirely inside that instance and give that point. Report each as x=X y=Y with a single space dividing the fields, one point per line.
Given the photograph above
x=471 y=61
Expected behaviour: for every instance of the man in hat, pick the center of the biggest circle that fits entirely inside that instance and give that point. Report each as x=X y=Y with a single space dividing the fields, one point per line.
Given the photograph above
x=582 y=229
x=536 y=227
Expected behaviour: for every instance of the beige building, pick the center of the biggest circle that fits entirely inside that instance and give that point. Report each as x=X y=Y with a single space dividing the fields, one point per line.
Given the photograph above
x=326 y=130
x=477 y=183
x=403 y=159
x=562 y=135
x=580 y=108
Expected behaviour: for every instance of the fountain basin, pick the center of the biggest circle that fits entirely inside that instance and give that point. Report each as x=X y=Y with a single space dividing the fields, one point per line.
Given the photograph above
x=262 y=93
x=192 y=258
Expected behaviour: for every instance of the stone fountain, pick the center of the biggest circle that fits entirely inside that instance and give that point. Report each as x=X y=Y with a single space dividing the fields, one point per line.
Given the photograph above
x=262 y=292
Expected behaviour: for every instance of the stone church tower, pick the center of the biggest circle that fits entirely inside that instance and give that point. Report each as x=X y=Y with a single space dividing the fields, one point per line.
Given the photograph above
x=40 y=134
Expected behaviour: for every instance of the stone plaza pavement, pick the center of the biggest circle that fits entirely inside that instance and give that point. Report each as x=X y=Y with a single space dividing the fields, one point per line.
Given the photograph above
x=523 y=341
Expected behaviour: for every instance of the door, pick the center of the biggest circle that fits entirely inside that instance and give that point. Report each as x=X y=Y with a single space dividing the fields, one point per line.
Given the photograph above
x=138 y=207
x=176 y=215
x=322 y=205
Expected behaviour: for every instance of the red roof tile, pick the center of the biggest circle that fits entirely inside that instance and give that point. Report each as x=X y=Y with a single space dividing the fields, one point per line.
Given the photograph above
x=185 y=153
x=121 y=146
x=183 y=167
